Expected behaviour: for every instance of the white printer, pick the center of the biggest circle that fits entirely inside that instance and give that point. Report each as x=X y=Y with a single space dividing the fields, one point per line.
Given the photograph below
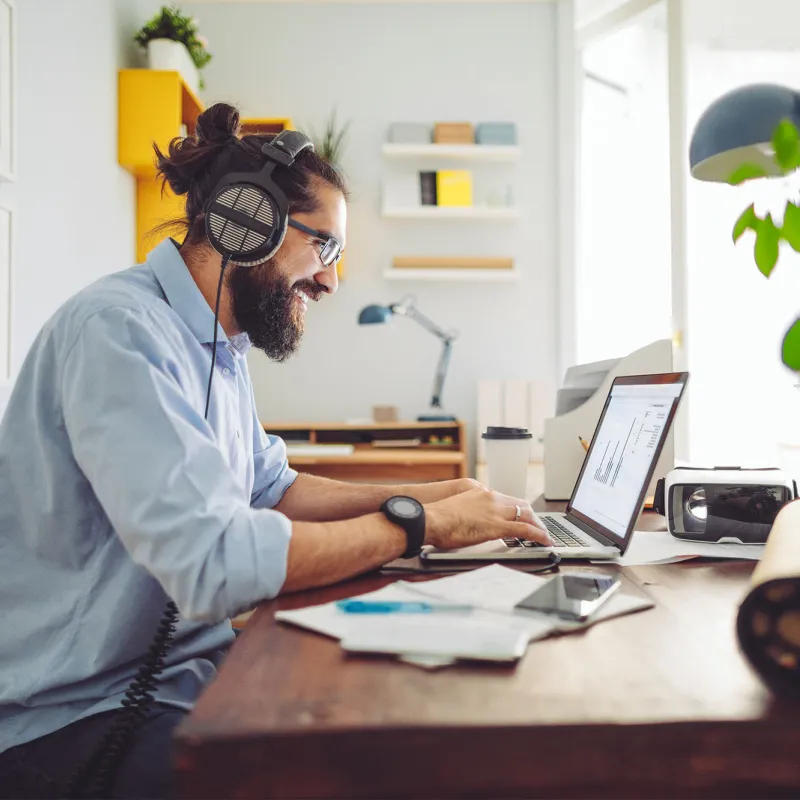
x=579 y=403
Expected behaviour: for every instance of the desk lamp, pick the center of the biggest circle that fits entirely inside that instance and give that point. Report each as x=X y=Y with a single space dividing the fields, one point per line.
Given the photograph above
x=375 y=314
x=737 y=129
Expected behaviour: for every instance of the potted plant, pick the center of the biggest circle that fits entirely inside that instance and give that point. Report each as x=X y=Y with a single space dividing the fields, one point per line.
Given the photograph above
x=771 y=230
x=173 y=43
x=330 y=143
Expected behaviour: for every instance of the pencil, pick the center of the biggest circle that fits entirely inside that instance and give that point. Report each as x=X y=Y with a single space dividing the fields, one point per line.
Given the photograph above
x=584 y=443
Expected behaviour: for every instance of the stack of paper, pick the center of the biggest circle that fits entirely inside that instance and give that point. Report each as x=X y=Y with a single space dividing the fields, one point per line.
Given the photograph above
x=492 y=630
x=660 y=547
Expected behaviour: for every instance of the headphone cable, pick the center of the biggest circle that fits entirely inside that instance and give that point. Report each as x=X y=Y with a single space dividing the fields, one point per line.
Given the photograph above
x=225 y=260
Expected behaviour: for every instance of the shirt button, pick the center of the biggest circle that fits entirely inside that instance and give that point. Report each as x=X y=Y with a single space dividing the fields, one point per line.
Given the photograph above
x=238 y=434
x=226 y=371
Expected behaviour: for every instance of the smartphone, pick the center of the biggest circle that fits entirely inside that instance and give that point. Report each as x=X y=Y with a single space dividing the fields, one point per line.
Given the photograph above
x=573 y=595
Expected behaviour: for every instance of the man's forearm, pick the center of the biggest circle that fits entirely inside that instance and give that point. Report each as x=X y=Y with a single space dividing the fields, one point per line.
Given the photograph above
x=314 y=499
x=326 y=553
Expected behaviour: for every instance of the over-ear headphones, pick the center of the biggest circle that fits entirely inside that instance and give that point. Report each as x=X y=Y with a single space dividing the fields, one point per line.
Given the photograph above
x=247 y=213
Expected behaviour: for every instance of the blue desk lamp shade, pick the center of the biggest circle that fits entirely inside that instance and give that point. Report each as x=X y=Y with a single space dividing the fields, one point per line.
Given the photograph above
x=375 y=314
x=737 y=128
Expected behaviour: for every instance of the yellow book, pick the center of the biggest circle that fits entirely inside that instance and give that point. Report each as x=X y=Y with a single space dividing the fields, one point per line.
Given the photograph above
x=454 y=187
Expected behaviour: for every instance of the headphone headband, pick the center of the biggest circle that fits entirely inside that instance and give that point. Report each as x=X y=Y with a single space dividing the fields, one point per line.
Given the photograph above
x=286 y=146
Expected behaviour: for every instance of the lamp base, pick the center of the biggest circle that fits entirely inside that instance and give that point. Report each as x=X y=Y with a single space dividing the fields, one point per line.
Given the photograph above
x=436 y=418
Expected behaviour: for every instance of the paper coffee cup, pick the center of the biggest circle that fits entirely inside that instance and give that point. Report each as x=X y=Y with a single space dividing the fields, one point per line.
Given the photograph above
x=507 y=455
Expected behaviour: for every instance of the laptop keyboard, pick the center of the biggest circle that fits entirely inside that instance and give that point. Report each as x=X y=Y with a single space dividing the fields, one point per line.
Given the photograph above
x=561 y=535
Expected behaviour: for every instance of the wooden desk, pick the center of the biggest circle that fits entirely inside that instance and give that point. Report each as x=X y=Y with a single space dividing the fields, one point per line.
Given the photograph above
x=374 y=464
x=654 y=704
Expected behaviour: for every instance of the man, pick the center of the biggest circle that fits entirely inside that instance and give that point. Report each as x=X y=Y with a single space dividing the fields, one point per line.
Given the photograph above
x=117 y=493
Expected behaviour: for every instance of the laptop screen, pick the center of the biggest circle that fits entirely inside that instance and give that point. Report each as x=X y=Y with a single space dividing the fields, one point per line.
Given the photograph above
x=625 y=447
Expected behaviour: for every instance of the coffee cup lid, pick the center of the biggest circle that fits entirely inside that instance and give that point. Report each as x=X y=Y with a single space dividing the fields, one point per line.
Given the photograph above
x=499 y=432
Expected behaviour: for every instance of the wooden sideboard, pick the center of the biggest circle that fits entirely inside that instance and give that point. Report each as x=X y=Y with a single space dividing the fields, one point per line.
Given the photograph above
x=439 y=454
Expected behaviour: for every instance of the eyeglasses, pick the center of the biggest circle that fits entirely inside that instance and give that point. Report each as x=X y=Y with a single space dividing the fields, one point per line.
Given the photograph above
x=330 y=248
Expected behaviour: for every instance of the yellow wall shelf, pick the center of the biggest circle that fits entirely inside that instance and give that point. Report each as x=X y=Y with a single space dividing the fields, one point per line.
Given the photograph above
x=154 y=106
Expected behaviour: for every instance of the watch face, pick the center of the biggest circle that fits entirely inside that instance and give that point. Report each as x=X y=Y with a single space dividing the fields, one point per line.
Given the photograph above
x=404 y=507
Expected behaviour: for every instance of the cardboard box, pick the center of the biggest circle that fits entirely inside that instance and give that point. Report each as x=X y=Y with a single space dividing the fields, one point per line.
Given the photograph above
x=453 y=133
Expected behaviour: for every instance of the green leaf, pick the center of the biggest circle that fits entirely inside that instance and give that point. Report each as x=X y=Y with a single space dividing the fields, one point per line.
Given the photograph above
x=786 y=142
x=748 y=221
x=790 y=351
x=768 y=238
x=791 y=226
x=746 y=172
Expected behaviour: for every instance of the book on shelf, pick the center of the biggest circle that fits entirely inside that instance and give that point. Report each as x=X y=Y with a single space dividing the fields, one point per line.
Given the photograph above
x=427 y=186
x=446 y=187
x=454 y=187
x=451 y=262
x=416 y=442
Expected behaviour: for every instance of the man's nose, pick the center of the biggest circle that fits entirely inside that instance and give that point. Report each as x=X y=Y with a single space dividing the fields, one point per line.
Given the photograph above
x=328 y=279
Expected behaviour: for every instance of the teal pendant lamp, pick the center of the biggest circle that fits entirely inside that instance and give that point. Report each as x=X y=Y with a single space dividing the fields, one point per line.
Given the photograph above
x=737 y=129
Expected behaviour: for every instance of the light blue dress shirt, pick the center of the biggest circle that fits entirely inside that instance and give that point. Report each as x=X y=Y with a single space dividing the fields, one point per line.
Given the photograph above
x=116 y=495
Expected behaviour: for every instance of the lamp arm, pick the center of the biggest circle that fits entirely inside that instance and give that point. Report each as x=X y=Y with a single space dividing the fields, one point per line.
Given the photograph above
x=421 y=319
x=441 y=373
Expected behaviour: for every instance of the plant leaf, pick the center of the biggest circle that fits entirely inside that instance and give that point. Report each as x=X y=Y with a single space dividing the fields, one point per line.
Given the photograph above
x=768 y=239
x=749 y=220
x=790 y=350
x=791 y=226
x=786 y=142
x=746 y=172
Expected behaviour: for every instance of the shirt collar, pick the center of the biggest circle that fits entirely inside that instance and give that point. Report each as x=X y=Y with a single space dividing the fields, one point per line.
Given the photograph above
x=185 y=299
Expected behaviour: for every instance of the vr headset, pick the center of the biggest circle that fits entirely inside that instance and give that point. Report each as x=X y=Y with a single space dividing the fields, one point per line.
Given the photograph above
x=723 y=503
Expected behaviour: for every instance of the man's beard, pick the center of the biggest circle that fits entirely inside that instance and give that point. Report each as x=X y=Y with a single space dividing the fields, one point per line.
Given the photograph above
x=266 y=309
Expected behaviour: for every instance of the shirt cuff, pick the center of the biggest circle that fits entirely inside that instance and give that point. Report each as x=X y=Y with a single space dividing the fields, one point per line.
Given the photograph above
x=256 y=555
x=271 y=496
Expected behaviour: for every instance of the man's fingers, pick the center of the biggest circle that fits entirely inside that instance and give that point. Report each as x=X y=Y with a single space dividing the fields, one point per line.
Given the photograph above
x=522 y=530
x=526 y=515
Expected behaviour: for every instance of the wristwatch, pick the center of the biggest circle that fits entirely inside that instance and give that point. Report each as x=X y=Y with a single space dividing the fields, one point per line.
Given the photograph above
x=410 y=516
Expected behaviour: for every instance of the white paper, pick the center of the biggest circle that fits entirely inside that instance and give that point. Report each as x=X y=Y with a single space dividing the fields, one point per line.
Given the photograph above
x=492 y=587
x=492 y=591
x=427 y=661
x=500 y=588
x=330 y=620
x=660 y=547
x=444 y=636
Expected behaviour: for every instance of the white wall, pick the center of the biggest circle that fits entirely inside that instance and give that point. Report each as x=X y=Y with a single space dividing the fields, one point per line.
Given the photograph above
x=384 y=62
x=74 y=206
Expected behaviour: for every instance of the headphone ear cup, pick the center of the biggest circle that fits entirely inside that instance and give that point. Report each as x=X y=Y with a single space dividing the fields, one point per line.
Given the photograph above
x=245 y=223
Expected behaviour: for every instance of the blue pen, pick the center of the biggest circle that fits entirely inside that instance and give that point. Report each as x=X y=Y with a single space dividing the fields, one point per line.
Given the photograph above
x=394 y=607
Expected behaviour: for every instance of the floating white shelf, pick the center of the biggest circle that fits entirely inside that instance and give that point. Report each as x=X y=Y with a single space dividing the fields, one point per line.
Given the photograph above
x=472 y=152
x=451 y=212
x=485 y=275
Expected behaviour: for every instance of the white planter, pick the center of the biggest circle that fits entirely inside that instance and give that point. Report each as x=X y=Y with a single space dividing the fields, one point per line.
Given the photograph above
x=170 y=55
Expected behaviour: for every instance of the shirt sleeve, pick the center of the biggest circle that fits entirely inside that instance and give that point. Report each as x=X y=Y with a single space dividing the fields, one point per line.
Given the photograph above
x=273 y=476
x=156 y=470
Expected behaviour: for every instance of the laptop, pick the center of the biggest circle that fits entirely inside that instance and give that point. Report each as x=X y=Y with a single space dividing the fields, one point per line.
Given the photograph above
x=610 y=490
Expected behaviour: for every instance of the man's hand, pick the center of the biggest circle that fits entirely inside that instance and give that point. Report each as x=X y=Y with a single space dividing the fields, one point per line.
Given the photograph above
x=480 y=515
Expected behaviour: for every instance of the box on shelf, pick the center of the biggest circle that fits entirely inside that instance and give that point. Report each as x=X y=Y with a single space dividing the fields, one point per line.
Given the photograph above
x=453 y=133
x=454 y=187
x=410 y=133
x=500 y=133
